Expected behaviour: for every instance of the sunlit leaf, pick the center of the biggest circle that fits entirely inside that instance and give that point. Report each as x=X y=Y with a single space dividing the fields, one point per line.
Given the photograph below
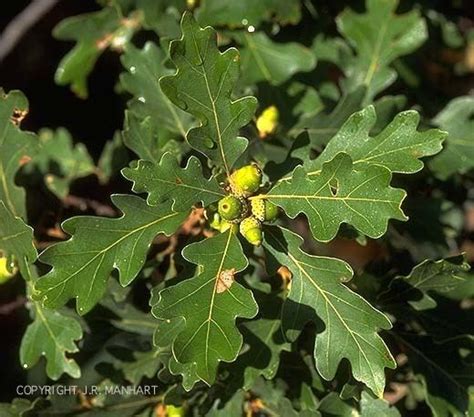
x=318 y=293
x=341 y=193
x=99 y=245
x=203 y=86
x=207 y=307
x=168 y=181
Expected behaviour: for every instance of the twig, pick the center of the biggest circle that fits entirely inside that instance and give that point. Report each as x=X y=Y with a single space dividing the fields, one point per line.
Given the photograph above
x=15 y=30
x=84 y=204
x=10 y=307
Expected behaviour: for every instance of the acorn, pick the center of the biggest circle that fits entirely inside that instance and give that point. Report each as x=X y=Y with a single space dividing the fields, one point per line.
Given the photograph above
x=263 y=210
x=246 y=180
x=257 y=207
x=251 y=229
x=5 y=272
x=271 y=211
x=215 y=221
x=173 y=411
x=230 y=208
x=267 y=122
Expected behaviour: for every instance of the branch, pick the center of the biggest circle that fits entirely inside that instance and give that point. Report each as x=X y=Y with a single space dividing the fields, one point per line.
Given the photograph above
x=27 y=18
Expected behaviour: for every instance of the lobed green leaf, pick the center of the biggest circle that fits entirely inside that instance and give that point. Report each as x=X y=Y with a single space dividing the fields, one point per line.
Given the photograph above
x=82 y=265
x=458 y=154
x=166 y=180
x=265 y=60
x=398 y=147
x=379 y=36
x=203 y=86
x=318 y=293
x=341 y=193
x=205 y=307
x=17 y=148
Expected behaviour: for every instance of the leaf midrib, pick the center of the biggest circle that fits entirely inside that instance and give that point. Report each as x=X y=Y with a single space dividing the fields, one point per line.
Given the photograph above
x=328 y=302
x=103 y=251
x=213 y=104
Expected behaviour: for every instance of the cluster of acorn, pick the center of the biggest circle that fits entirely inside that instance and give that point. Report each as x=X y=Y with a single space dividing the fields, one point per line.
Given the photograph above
x=243 y=210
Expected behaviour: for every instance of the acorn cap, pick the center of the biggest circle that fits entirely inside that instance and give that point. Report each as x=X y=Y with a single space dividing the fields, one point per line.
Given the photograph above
x=246 y=180
x=257 y=206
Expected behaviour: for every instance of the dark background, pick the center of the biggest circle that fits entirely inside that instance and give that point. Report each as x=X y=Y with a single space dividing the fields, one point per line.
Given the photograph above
x=31 y=65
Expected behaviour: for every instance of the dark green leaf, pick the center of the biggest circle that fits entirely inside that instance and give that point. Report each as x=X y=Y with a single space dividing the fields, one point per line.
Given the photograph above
x=272 y=399
x=52 y=335
x=113 y=158
x=143 y=364
x=93 y=32
x=379 y=36
x=130 y=319
x=203 y=86
x=323 y=126
x=318 y=293
x=19 y=407
x=264 y=341
x=208 y=305
x=398 y=147
x=247 y=12
x=445 y=374
x=142 y=137
x=168 y=181
x=145 y=67
x=265 y=60
x=16 y=241
x=442 y=277
x=332 y=405
x=60 y=161
x=458 y=155
x=356 y=195
x=233 y=408
x=372 y=407
x=17 y=148
x=97 y=246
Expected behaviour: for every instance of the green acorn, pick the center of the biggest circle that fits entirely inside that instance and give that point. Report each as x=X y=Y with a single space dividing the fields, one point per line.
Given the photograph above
x=251 y=229
x=263 y=210
x=246 y=180
x=257 y=206
x=271 y=211
x=230 y=208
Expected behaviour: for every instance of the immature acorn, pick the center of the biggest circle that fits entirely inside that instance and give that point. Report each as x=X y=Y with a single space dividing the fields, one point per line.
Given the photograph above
x=230 y=208
x=246 y=180
x=271 y=211
x=263 y=210
x=5 y=274
x=257 y=206
x=267 y=122
x=251 y=229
